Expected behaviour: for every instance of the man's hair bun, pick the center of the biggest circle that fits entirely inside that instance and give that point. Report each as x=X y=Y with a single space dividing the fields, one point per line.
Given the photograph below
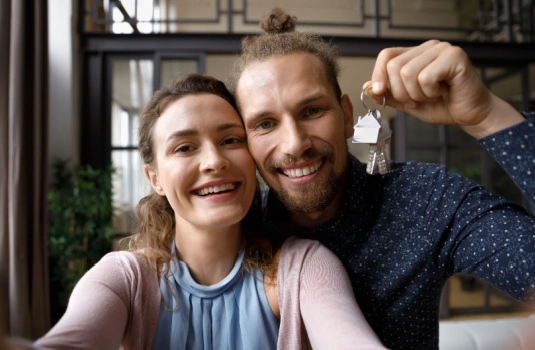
x=278 y=21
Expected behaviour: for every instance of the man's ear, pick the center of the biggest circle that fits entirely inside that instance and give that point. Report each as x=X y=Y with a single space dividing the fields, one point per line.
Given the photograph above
x=347 y=107
x=152 y=176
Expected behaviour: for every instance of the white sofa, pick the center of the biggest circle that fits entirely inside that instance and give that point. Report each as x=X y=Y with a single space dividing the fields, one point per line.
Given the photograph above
x=499 y=334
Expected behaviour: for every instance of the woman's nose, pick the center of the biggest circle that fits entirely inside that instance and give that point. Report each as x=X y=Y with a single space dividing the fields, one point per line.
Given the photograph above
x=213 y=159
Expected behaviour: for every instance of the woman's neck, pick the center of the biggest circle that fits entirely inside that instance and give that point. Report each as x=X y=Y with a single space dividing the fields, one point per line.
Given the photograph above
x=210 y=254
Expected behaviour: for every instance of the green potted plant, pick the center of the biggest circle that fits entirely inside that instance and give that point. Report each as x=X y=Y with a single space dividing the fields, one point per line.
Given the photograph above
x=80 y=213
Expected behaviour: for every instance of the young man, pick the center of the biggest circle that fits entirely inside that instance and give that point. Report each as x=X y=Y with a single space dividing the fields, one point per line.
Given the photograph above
x=403 y=234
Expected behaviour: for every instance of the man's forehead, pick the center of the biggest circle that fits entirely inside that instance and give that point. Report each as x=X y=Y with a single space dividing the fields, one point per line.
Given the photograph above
x=283 y=61
x=292 y=70
x=257 y=74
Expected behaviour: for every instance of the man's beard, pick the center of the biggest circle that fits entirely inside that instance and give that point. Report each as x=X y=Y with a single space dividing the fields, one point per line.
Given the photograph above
x=312 y=197
x=315 y=196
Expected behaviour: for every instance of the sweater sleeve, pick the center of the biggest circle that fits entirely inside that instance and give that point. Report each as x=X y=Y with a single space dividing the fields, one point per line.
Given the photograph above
x=107 y=306
x=316 y=299
x=514 y=150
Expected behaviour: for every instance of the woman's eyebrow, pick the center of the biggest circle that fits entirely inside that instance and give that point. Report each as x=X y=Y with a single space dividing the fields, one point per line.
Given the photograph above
x=189 y=132
x=180 y=133
x=227 y=126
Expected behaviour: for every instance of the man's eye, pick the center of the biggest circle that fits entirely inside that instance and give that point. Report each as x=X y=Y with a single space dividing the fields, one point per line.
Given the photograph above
x=264 y=125
x=312 y=111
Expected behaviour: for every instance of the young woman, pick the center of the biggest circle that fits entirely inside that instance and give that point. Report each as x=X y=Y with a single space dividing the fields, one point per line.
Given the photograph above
x=198 y=274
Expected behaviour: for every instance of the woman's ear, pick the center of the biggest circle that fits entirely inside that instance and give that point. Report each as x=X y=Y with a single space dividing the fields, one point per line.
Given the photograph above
x=152 y=176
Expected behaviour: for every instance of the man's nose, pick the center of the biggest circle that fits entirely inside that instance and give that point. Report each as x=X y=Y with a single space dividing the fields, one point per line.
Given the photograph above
x=294 y=138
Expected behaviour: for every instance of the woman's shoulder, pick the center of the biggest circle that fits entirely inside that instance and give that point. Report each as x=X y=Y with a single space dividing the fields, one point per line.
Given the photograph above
x=123 y=257
x=297 y=254
x=299 y=247
x=125 y=263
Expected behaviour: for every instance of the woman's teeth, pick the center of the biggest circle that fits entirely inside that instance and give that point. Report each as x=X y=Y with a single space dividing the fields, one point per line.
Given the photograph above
x=216 y=189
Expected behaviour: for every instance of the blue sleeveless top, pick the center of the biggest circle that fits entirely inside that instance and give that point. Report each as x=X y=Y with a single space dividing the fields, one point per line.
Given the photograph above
x=232 y=314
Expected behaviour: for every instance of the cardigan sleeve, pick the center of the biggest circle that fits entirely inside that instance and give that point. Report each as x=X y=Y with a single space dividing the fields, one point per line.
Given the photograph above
x=108 y=307
x=317 y=305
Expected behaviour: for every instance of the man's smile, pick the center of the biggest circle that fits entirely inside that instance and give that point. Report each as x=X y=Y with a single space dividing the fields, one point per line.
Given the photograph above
x=299 y=172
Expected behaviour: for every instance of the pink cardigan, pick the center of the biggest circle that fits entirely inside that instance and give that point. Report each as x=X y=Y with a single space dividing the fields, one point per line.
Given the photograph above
x=116 y=304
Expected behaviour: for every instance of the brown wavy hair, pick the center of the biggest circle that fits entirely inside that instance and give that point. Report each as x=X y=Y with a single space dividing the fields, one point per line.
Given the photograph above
x=280 y=38
x=156 y=218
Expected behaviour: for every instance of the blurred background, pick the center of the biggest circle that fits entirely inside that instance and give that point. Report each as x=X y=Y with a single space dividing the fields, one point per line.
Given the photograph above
x=104 y=59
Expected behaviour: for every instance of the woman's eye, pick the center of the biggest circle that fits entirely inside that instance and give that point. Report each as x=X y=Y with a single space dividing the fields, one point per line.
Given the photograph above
x=183 y=149
x=233 y=140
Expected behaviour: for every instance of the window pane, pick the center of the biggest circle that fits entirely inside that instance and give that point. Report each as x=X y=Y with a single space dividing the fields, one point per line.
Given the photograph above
x=502 y=184
x=129 y=186
x=466 y=163
x=456 y=136
x=173 y=68
x=131 y=89
x=420 y=132
x=428 y=156
x=124 y=127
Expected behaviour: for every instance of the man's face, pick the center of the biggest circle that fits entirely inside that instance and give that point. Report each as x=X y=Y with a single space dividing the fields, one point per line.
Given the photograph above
x=296 y=129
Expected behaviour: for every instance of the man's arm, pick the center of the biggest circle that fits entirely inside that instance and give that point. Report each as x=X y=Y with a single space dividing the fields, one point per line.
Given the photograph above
x=514 y=149
x=437 y=83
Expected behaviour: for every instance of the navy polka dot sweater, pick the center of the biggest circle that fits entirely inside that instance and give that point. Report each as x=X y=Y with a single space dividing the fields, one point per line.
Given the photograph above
x=403 y=234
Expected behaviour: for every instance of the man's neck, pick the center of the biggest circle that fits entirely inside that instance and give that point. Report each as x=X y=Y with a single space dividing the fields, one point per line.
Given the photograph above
x=314 y=220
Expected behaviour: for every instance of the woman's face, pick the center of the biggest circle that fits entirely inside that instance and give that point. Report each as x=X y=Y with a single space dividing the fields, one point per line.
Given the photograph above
x=202 y=164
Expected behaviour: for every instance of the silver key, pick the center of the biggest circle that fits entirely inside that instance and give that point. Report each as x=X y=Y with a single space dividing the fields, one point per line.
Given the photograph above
x=377 y=155
x=372 y=159
x=369 y=130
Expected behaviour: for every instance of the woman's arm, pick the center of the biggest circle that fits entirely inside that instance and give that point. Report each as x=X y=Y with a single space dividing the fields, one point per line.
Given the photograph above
x=314 y=288
x=97 y=313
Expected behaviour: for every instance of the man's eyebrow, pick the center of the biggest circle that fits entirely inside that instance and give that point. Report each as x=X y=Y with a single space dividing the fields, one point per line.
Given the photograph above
x=311 y=98
x=256 y=116
x=263 y=113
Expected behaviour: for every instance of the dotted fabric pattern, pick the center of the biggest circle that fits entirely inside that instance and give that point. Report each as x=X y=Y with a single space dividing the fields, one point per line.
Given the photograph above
x=401 y=235
x=508 y=147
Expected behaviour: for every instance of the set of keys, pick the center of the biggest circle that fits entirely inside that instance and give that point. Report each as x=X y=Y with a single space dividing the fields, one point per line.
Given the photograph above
x=370 y=130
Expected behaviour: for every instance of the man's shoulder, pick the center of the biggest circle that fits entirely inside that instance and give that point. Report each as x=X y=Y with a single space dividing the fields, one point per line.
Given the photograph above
x=358 y=169
x=413 y=178
x=416 y=168
x=401 y=173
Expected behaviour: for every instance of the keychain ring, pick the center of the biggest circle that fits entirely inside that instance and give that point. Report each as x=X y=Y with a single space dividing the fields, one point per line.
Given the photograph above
x=364 y=103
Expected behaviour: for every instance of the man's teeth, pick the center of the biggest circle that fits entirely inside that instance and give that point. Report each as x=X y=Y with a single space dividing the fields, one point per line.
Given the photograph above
x=217 y=189
x=302 y=171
